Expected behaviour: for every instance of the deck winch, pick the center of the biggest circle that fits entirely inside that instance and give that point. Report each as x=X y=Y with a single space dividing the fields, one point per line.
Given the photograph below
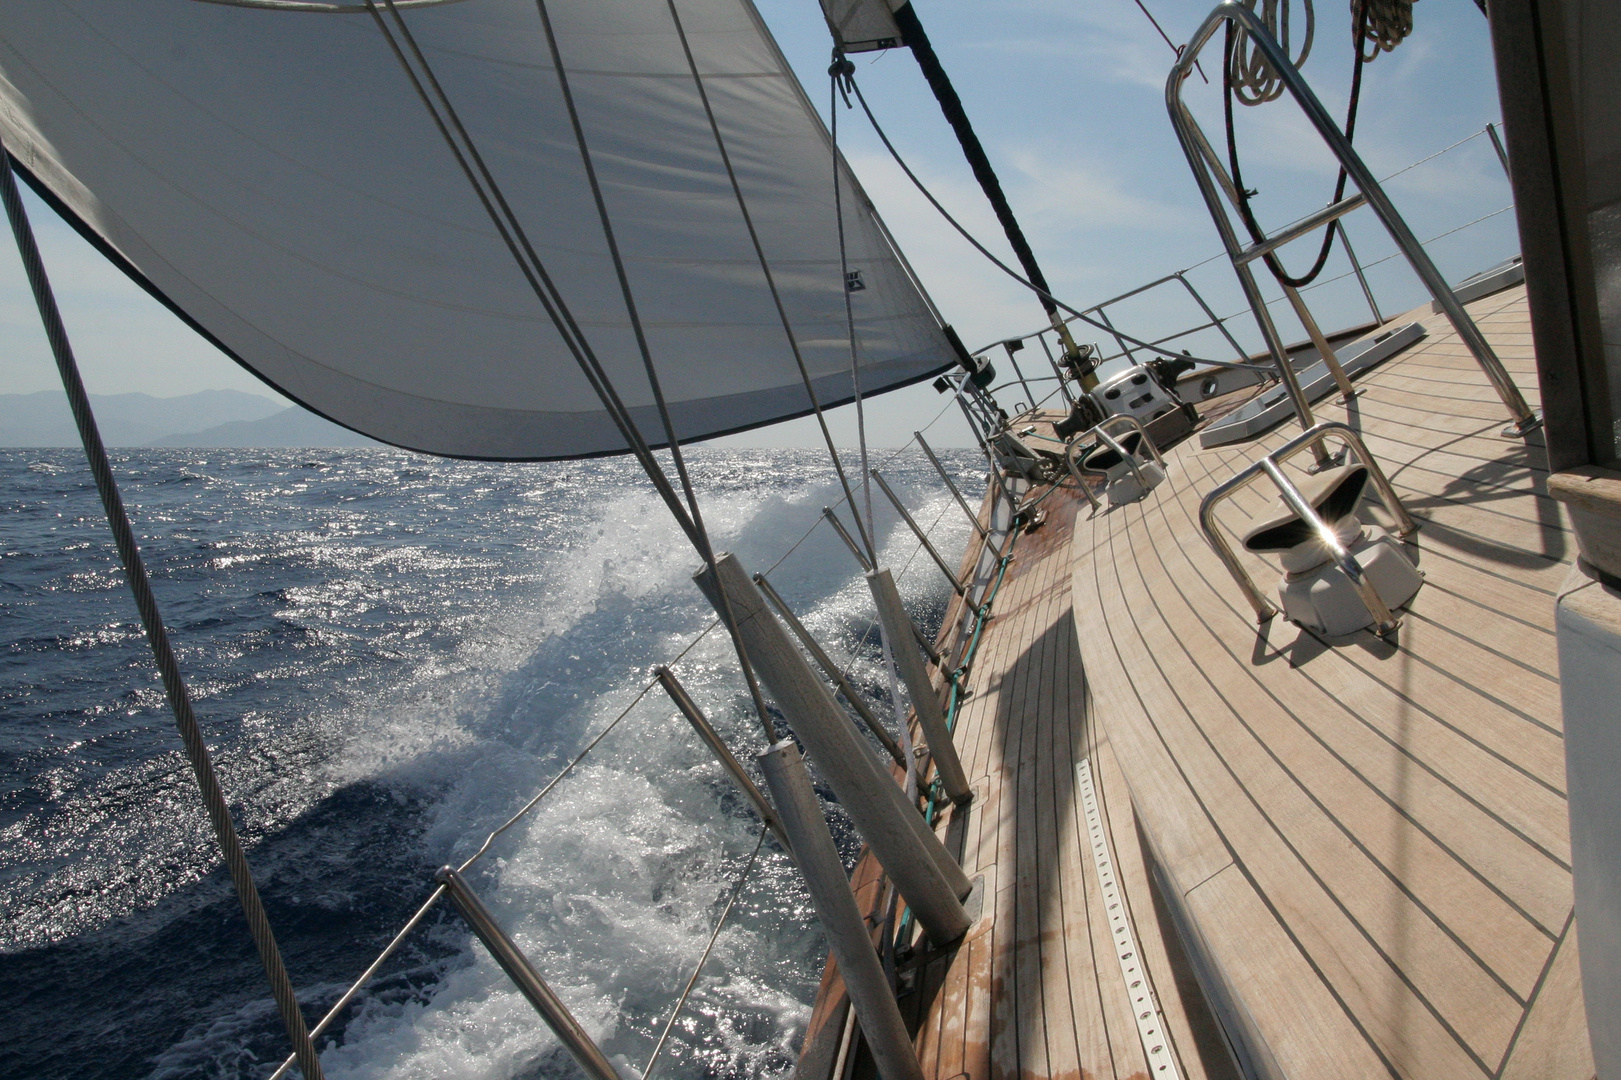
x=1127 y=476
x=1316 y=591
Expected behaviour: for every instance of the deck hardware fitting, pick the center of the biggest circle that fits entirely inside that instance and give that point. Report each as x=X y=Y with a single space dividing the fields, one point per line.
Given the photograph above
x=1144 y=1005
x=1102 y=434
x=1384 y=621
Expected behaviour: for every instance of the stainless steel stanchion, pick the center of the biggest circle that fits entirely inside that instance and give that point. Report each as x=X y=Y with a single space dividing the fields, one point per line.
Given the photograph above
x=923 y=537
x=825 y=662
x=518 y=968
x=838 y=527
x=929 y=879
x=847 y=935
x=723 y=753
x=973 y=518
x=925 y=701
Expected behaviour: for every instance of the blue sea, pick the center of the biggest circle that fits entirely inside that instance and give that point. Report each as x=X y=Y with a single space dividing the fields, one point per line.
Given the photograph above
x=390 y=654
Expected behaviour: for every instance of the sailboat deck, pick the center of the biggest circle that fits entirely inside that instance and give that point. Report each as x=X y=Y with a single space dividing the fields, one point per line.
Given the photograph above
x=1339 y=858
x=1370 y=837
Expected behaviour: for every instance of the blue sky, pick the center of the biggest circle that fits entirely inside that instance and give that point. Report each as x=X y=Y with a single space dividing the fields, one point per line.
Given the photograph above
x=1068 y=98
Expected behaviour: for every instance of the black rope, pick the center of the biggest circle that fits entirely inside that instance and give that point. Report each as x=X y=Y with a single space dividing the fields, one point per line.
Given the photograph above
x=705 y=548
x=765 y=267
x=174 y=686
x=1245 y=212
x=983 y=250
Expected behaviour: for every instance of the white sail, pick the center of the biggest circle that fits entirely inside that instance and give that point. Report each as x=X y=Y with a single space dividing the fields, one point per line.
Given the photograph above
x=272 y=175
x=862 y=25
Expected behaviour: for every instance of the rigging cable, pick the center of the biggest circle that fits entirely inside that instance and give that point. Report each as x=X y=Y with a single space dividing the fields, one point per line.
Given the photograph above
x=517 y=243
x=534 y=271
x=1177 y=49
x=438 y=893
x=842 y=66
x=983 y=250
x=681 y=1002
x=765 y=266
x=706 y=549
x=157 y=635
x=1243 y=86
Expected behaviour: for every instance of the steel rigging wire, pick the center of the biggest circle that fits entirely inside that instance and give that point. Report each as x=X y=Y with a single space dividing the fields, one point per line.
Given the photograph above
x=517 y=243
x=1073 y=313
x=843 y=67
x=157 y=635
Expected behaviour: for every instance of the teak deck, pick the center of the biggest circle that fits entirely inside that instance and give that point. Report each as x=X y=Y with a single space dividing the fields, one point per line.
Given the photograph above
x=1363 y=843
x=1371 y=837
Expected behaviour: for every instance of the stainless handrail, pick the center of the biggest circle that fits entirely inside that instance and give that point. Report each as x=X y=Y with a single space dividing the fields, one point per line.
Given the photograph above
x=1080 y=481
x=1202 y=160
x=1291 y=233
x=1217 y=322
x=1268 y=466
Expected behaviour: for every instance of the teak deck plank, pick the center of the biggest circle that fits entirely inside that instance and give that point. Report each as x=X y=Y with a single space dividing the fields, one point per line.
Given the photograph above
x=1368 y=838
x=1348 y=787
x=1035 y=989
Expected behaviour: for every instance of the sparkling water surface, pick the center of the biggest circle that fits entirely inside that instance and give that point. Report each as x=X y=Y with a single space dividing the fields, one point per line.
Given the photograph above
x=390 y=654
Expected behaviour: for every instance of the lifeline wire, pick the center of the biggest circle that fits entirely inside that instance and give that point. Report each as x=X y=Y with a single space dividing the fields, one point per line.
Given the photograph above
x=439 y=892
x=1177 y=49
x=681 y=1002
x=157 y=635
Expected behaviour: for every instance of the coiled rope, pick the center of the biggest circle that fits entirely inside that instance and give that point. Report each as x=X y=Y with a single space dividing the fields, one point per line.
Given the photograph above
x=1236 y=40
x=1376 y=26
x=174 y=687
x=1384 y=25
x=1248 y=74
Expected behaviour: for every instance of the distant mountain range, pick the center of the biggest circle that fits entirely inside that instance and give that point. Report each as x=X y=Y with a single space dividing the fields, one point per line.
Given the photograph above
x=215 y=418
